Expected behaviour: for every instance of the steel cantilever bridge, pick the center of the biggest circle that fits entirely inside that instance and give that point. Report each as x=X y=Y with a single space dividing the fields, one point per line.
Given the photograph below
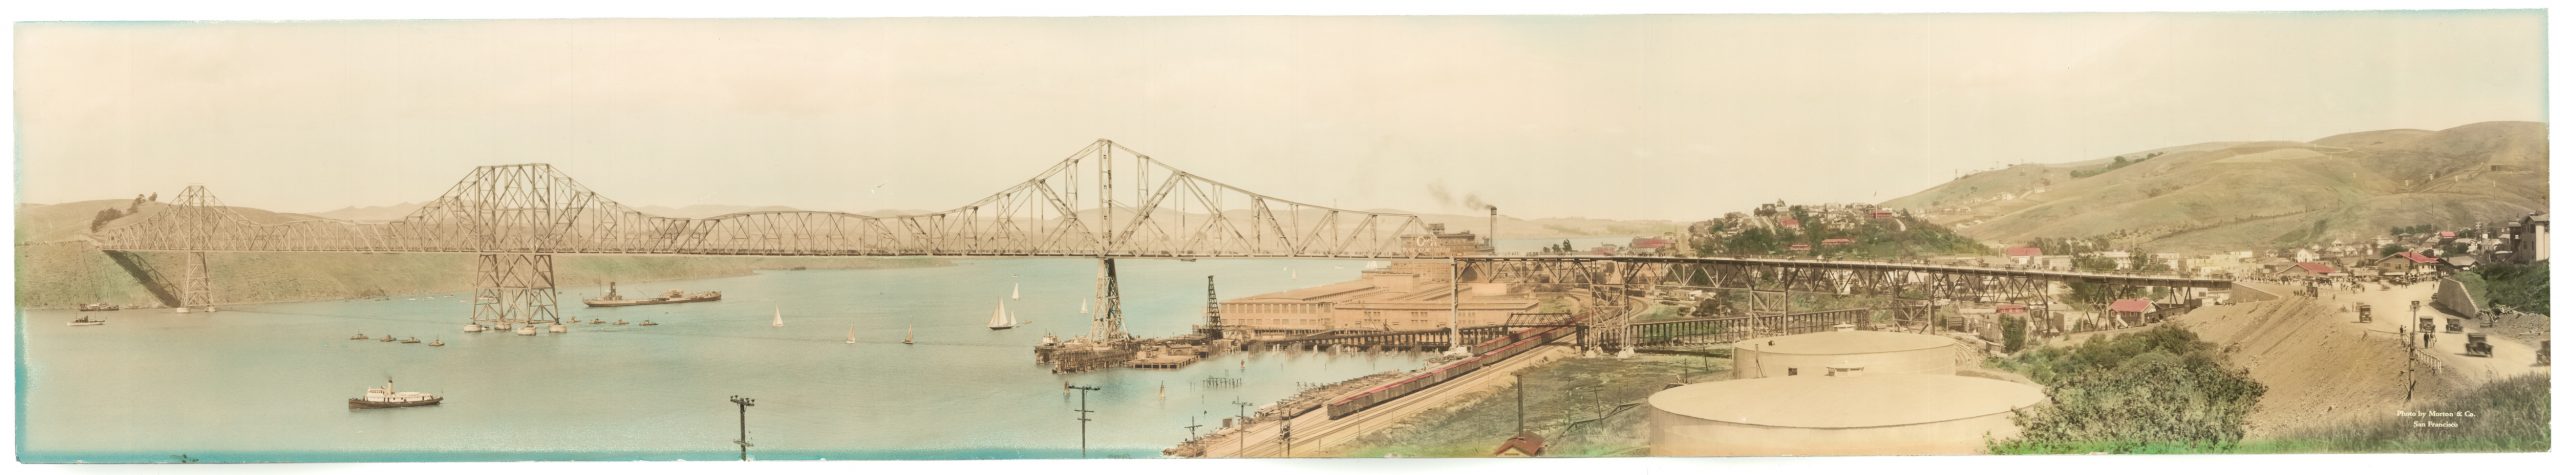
x=515 y=218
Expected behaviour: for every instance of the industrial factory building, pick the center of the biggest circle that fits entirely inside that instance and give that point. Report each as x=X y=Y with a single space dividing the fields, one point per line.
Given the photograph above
x=1404 y=295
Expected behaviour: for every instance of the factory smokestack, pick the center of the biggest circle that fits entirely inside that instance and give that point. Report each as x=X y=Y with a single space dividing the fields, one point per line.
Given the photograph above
x=1492 y=215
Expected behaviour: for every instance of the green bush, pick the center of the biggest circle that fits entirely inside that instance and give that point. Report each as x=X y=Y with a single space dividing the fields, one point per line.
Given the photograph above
x=2526 y=287
x=2013 y=334
x=2159 y=390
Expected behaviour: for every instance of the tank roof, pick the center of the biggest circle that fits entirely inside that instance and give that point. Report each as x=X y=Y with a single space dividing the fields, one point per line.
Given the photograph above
x=1876 y=400
x=1844 y=343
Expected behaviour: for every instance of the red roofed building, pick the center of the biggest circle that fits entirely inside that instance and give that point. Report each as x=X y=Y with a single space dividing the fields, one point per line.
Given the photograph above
x=1880 y=214
x=1799 y=247
x=1789 y=223
x=2132 y=311
x=1648 y=246
x=2308 y=268
x=2405 y=262
x=2025 y=255
x=2445 y=234
x=2011 y=309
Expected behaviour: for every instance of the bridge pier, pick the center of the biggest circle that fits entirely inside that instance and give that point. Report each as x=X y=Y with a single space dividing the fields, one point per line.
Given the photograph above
x=196 y=292
x=513 y=289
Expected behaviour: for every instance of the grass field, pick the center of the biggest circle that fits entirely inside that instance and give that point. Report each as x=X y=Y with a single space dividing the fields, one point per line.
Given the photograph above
x=2509 y=415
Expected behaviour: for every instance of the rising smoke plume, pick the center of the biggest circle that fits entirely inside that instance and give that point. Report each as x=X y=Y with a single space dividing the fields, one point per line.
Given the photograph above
x=1441 y=193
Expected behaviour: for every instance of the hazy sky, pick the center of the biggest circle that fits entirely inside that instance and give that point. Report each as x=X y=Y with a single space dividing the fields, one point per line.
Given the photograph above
x=1605 y=116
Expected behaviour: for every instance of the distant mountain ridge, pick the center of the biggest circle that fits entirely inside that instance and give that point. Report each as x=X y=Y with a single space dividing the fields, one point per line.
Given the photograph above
x=2253 y=195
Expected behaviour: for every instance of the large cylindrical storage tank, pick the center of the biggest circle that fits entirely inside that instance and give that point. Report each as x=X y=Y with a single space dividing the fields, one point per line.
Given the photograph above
x=1826 y=353
x=1883 y=414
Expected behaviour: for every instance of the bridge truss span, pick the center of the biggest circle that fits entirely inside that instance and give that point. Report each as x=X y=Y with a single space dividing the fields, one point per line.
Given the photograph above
x=1081 y=206
x=514 y=217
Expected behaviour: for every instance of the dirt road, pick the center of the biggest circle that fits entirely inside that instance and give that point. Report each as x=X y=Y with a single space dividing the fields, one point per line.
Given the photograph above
x=2321 y=367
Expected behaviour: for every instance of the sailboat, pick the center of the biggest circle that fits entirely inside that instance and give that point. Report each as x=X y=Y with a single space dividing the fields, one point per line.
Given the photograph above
x=911 y=335
x=1017 y=291
x=777 y=317
x=1084 y=306
x=1003 y=320
x=848 y=335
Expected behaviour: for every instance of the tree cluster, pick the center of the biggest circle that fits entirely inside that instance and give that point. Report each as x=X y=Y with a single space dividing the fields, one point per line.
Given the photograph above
x=2159 y=390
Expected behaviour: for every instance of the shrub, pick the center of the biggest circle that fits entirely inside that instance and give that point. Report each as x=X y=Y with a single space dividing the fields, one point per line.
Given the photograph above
x=2159 y=390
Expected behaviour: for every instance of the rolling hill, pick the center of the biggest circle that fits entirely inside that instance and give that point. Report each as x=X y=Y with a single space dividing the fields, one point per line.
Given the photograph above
x=2251 y=195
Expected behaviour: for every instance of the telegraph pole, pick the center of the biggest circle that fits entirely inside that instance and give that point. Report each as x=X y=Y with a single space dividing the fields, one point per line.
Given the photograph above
x=1240 y=432
x=1285 y=445
x=1520 y=402
x=1084 y=417
x=743 y=404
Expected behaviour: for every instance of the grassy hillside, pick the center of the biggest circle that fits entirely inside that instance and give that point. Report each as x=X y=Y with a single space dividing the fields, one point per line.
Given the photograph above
x=2509 y=415
x=2223 y=196
x=1888 y=238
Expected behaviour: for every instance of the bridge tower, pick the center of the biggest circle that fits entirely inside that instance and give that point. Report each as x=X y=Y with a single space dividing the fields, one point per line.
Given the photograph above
x=1106 y=290
x=517 y=216
x=197 y=215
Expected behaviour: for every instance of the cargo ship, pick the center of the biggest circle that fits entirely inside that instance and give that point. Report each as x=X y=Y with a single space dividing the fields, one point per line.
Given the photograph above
x=613 y=298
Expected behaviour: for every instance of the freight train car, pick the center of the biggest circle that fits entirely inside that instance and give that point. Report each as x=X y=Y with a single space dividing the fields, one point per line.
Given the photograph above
x=1519 y=342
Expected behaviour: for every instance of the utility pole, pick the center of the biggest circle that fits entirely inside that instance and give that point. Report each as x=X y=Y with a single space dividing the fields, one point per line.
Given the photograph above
x=743 y=404
x=1240 y=433
x=1084 y=417
x=1520 y=402
x=1285 y=445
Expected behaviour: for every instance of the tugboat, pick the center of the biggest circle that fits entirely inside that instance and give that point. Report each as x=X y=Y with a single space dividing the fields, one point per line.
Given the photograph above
x=387 y=397
x=409 y=341
x=438 y=343
x=386 y=338
x=647 y=323
x=87 y=322
x=598 y=321
x=613 y=298
x=359 y=336
x=620 y=322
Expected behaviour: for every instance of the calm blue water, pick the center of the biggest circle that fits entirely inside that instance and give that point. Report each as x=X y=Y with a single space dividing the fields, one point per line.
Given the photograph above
x=269 y=382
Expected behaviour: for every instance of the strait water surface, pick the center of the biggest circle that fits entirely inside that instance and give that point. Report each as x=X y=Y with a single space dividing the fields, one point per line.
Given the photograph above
x=269 y=382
